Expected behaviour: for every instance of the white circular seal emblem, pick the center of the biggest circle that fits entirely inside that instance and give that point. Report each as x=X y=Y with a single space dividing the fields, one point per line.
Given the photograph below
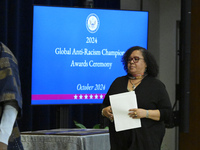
x=92 y=23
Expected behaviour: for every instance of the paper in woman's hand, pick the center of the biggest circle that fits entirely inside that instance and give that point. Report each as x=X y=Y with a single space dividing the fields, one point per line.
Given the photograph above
x=120 y=104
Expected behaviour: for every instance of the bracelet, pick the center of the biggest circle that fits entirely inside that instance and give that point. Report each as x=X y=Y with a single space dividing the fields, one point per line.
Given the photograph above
x=147 y=114
x=102 y=112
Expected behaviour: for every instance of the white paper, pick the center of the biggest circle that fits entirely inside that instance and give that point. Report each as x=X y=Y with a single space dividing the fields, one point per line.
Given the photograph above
x=120 y=104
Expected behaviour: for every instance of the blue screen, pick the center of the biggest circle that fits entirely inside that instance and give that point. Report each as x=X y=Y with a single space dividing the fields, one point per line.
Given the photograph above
x=76 y=52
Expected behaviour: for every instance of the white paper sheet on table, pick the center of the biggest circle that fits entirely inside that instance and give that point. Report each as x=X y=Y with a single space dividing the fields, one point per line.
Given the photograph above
x=120 y=104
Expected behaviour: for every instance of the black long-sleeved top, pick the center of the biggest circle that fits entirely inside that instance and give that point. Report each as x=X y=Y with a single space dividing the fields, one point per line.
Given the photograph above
x=151 y=95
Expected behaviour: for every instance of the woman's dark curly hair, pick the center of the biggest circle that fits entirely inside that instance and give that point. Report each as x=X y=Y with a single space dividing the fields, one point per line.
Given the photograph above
x=152 y=66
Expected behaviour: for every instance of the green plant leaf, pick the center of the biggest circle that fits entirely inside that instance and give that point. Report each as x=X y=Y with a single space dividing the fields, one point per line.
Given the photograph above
x=97 y=126
x=78 y=125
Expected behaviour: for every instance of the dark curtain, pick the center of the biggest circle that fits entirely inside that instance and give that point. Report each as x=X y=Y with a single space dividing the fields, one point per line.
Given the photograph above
x=16 y=33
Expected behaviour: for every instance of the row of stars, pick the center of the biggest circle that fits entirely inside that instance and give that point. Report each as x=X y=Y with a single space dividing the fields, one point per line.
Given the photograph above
x=90 y=96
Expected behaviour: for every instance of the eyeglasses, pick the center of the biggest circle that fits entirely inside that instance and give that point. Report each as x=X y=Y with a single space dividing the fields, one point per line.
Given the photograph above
x=135 y=59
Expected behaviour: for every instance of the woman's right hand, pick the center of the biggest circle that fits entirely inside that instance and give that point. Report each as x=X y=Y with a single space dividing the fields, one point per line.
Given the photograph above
x=107 y=112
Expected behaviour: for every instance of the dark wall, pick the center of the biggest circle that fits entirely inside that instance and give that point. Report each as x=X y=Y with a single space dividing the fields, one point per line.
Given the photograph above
x=16 y=33
x=191 y=139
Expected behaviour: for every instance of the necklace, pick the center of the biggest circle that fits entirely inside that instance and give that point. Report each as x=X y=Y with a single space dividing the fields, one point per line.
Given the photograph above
x=134 y=85
x=136 y=76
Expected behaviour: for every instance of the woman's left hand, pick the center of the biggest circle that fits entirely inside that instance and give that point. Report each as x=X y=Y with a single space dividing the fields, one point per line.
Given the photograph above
x=137 y=113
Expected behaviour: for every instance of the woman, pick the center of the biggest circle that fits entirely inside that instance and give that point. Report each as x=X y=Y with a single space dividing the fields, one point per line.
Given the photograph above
x=154 y=106
x=10 y=100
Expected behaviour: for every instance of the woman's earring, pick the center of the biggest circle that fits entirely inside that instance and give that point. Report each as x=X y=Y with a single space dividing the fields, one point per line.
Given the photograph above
x=145 y=69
